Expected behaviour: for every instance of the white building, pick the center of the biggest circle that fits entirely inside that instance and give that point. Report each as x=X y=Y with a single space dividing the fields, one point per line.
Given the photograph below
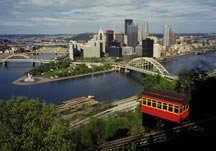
x=96 y=46
x=157 y=50
x=71 y=51
x=145 y=30
x=154 y=38
x=127 y=50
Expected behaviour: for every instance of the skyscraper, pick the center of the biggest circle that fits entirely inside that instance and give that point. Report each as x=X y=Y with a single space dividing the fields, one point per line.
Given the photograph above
x=71 y=51
x=147 y=45
x=127 y=22
x=145 y=32
x=109 y=36
x=120 y=38
x=173 y=38
x=167 y=36
x=101 y=40
x=132 y=35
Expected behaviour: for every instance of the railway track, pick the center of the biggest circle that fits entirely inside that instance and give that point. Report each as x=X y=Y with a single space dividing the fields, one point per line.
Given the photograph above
x=145 y=139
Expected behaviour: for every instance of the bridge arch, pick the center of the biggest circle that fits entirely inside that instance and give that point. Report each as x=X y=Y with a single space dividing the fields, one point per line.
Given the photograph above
x=147 y=65
x=17 y=55
x=23 y=58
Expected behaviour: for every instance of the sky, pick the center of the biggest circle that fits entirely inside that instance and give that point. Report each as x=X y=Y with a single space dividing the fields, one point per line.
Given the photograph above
x=79 y=16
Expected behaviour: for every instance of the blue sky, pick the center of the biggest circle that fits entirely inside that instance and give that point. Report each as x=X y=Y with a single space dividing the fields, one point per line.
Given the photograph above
x=78 y=16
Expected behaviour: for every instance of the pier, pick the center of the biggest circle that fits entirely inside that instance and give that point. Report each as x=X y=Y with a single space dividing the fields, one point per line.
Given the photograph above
x=75 y=104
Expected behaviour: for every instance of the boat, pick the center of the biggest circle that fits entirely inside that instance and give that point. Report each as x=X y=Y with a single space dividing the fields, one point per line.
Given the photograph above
x=91 y=97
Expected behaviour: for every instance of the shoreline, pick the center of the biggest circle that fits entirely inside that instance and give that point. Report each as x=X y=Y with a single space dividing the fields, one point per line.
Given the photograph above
x=170 y=58
x=39 y=80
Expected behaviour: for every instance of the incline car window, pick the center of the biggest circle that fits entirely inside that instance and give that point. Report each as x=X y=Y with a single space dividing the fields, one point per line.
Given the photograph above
x=176 y=109
x=164 y=106
x=149 y=102
x=170 y=108
x=144 y=101
x=153 y=103
x=159 y=105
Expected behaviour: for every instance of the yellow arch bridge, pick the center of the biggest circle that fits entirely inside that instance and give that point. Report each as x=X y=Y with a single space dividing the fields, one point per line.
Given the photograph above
x=146 y=65
x=23 y=58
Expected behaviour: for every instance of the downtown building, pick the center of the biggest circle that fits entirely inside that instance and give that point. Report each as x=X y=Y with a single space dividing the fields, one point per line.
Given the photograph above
x=126 y=24
x=113 y=46
x=132 y=35
x=109 y=37
x=131 y=30
x=96 y=46
x=145 y=31
x=147 y=47
x=167 y=36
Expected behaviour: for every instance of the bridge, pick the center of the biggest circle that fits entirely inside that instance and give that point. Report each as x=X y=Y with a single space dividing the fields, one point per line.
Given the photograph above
x=23 y=58
x=146 y=65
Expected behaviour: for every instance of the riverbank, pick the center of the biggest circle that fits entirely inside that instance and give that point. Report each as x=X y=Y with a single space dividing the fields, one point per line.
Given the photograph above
x=170 y=58
x=188 y=54
x=38 y=80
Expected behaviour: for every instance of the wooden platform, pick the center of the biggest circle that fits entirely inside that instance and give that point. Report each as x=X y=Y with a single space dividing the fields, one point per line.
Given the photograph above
x=75 y=104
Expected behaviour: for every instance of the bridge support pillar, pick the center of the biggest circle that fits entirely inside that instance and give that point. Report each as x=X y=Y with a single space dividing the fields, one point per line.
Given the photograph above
x=33 y=64
x=126 y=70
x=5 y=63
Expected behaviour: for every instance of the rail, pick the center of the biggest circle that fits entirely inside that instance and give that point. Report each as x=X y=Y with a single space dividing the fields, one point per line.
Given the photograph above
x=145 y=139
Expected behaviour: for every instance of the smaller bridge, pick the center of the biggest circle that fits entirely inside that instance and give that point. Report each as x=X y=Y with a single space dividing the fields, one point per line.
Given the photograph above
x=148 y=66
x=23 y=58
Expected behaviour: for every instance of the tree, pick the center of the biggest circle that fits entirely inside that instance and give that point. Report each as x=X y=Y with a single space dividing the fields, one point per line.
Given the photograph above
x=27 y=124
x=90 y=134
x=200 y=89
x=187 y=79
x=156 y=81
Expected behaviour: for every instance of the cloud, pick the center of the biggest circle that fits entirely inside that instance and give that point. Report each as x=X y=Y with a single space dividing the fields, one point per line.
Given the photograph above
x=109 y=13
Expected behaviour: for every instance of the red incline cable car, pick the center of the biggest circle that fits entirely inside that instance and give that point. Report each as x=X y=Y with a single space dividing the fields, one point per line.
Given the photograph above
x=165 y=104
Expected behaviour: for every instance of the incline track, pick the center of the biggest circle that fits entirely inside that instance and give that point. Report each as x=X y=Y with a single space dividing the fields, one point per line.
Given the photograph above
x=145 y=139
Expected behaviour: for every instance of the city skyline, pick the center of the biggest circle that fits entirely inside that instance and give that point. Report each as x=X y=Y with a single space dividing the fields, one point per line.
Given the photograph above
x=79 y=16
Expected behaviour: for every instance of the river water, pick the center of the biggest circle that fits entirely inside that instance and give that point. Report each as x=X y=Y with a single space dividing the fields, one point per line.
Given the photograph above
x=105 y=87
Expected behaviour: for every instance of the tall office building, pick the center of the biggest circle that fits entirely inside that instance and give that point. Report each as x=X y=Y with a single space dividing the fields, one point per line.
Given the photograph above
x=145 y=32
x=71 y=51
x=173 y=38
x=109 y=36
x=120 y=38
x=132 y=35
x=167 y=36
x=139 y=36
x=101 y=41
x=128 y=22
x=147 y=45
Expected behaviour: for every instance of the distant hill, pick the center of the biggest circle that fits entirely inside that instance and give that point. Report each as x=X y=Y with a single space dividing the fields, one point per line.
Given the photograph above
x=82 y=37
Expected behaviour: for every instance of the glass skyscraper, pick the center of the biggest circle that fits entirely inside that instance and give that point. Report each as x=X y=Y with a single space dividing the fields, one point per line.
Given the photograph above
x=132 y=34
x=127 y=22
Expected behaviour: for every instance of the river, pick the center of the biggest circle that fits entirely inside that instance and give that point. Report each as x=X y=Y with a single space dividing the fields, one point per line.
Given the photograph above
x=105 y=87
